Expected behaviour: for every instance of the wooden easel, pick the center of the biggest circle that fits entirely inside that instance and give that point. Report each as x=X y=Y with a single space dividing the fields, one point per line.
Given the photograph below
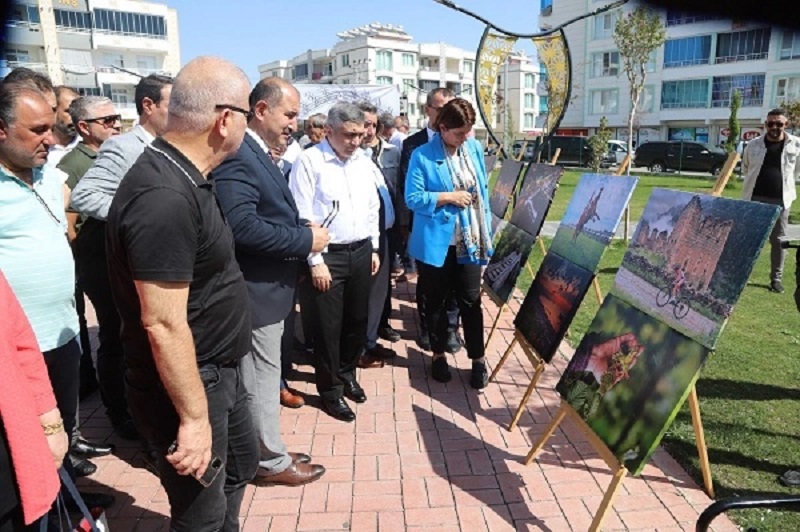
x=619 y=470
x=623 y=166
x=554 y=160
x=538 y=369
x=522 y=150
x=725 y=174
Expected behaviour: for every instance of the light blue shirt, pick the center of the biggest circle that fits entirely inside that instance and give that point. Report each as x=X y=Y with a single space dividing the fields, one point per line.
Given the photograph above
x=35 y=256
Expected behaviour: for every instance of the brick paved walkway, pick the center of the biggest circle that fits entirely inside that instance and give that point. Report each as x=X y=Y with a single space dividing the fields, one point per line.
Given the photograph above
x=426 y=455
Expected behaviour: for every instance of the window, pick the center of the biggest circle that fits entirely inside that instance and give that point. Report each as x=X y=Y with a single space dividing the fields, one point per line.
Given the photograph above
x=384 y=60
x=408 y=85
x=110 y=21
x=543 y=105
x=688 y=51
x=146 y=63
x=300 y=71
x=345 y=60
x=605 y=64
x=604 y=25
x=546 y=7
x=676 y=18
x=384 y=80
x=650 y=66
x=466 y=89
x=23 y=13
x=684 y=94
x=529 y=121
x=750 y=86
x=412 y=108
x=743 y=45
x=790 y=46
x=16 y=56
x=787 y=89
x=74 y=20
x=110 y=59
x=647 y=99
x=119 y=96
x=604 y=102
x=427 y=85
x=88 y=91
x=529 y=81
x=529 y=101
x=409 y=60
x=469 y=67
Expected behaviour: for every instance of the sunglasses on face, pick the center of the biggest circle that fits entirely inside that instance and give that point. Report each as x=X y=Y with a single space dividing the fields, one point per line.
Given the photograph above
x=777 y=124
x=106 y=121
x=248 y=115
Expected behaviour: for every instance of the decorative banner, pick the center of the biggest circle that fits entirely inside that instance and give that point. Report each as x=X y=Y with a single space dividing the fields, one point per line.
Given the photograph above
x=538 y=188
x=510 y=255
x=628 y=379
x=592 y=217
x=504 y=187
x=690 y=258
x=316 y=98
x=492 y=54
x=554 y=54
x=551 y=304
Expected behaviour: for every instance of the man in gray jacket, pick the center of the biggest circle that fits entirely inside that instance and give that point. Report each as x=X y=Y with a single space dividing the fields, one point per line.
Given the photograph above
x=771 y=167
x=92 y=197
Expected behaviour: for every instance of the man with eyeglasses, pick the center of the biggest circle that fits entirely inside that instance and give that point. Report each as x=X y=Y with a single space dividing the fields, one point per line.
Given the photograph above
x=183 y=302
x=771 y=167
x=435 y=101
x=271 y=239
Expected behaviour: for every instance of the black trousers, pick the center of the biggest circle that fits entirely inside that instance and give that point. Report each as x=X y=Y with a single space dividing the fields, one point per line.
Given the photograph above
x=234 y=438
x=380 y=295
x=93 y=275
x=452 y=279
x=340 y=318
x=63 y=368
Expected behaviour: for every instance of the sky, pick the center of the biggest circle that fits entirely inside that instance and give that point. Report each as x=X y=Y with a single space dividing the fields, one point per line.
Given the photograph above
x=255 y=32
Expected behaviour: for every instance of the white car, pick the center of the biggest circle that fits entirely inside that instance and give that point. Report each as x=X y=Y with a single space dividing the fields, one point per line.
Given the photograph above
x=619 y=149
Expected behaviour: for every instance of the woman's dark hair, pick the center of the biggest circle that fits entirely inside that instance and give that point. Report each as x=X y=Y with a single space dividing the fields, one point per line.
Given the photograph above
x=456 y=113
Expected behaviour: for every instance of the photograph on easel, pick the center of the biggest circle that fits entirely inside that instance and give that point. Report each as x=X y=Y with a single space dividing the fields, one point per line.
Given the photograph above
x=690 y=258
x=538 y=188
x=500 y=198
x=551 y=304
x=511 y=252
x=592 y=217
x=628 y=378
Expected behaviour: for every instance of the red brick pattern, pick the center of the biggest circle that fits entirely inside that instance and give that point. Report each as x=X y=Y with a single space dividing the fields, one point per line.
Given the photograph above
x=423 y=455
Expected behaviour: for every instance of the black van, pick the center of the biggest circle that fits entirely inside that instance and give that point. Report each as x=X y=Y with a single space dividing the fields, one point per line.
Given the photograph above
x=575 y=151
x=679 y=155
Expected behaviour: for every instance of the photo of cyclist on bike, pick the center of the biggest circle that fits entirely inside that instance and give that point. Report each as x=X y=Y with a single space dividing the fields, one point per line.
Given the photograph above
x=677 y=282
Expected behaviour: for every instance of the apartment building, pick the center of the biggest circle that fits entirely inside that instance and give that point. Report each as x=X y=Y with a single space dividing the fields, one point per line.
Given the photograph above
x=690 y=78
x=95 y=46
x=383 y=54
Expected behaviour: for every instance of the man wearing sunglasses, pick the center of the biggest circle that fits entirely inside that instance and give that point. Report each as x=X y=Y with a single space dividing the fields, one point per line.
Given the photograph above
x=771 y=167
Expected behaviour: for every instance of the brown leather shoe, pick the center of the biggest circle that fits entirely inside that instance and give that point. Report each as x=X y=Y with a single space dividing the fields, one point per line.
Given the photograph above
x=290 y=400
x=300 y=458
x=367 y=360
x=295 y=475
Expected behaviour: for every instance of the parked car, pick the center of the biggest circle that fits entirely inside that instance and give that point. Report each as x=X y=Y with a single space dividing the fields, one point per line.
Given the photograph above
x=617 y=149
x=575 y=151
x=660 y=156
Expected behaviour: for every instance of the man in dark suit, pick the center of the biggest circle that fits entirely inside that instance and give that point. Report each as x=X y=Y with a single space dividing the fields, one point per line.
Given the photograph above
x=435 y=100
x=269 y=237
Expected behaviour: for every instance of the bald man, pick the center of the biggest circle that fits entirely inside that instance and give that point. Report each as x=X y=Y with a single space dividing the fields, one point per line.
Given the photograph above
x=183 y=301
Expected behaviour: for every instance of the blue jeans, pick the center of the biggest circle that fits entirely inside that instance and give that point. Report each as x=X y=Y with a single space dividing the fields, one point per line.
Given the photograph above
x=193 y=507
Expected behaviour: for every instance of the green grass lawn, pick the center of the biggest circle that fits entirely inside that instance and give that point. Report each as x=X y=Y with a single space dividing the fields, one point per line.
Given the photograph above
x=750 y=388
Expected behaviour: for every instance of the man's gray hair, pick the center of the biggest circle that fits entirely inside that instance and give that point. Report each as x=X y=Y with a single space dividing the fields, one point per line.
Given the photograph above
x=82 y=107
x=444 y=91
x=386 y=120
x=368 y=107
x=317 y=120
x=403 y=120
x=342 y=112
x=199 y=87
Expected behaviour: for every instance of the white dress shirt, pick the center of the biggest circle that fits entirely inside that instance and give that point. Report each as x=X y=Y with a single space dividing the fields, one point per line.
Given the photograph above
x=397 y=139
x=292 y=152
x=339 y=195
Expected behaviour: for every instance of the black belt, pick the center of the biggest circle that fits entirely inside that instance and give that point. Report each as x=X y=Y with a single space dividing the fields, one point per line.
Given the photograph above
x=352 y=246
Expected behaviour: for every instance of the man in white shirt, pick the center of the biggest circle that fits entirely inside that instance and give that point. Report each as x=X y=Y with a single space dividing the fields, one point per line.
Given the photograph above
x=400 y=133
x=333 y=184
x=64 y=132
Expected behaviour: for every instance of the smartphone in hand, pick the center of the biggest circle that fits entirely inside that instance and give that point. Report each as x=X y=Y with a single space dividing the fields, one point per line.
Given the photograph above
x=214 y=466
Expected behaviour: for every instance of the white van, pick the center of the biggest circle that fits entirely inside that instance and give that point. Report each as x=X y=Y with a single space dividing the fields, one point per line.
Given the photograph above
x=618 y=149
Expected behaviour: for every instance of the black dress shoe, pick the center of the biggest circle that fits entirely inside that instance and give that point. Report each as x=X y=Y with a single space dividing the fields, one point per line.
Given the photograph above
x=454 y=342
x=339 y=409
x=424 y=341
x=389 y=334
x=82 y=466
x=354 y=392
x=91 y=500
x=85 y=449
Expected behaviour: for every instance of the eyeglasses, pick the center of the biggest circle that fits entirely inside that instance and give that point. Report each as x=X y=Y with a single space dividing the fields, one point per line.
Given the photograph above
x=777 y=124
x=106 y=121
x=248 y=115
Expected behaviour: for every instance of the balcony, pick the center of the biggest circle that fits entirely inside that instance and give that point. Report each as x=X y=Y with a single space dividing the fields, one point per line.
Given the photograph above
x=130 y=76
x=8 y=66
x=107 y=39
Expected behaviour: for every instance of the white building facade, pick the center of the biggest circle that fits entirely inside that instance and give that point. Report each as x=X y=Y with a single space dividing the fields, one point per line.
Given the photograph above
x=690 y=79
x=98 y=47
x=379 y=54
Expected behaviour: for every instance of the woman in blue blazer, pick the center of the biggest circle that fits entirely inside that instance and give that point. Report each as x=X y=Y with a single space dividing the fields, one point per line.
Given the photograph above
x=446 y=188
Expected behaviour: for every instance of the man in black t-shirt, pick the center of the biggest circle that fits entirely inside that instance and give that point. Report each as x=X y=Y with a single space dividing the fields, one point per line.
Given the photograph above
x=183 y=301
x=770 y=167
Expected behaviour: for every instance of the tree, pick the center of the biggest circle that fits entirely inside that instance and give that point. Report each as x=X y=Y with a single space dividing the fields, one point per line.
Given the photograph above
x=733 y=122
x=598 y=143
x=637 y=35
x=792 y=110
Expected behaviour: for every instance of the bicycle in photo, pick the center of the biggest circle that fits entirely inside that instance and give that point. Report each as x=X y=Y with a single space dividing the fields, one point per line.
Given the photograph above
x=680 y=303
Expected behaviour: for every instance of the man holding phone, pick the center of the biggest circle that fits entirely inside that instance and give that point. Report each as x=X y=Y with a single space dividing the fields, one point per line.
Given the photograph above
x=183 y=302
